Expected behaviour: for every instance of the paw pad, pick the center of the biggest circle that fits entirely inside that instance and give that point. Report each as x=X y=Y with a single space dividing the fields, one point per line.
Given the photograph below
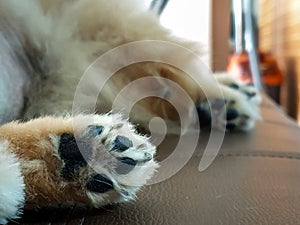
x=250 y=94
x=232 y=114
x=99 y=183
x=125 y=165
x=95 y=130
x=203 y=115
x=68 y=149
x=233 y=119
x=121 y=144
x=230 y=126
x=112 y=151
x=69 y=152
x=234 y=86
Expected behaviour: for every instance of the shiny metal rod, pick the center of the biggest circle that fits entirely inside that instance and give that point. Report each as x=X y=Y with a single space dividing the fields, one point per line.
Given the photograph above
x=238 y=25
x=158 y=6
x=250 y=44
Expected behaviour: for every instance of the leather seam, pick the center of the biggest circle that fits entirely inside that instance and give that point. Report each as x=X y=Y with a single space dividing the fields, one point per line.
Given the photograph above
x=294 y=126
x=278 y=155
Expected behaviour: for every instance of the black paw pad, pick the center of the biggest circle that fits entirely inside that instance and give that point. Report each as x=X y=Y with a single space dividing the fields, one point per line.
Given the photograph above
x=121 y=144
x=125 y=165
x=232 y=114
x=69 y=170
x=245 y=117
x=204 y=111
x=99 y=183
x=230 y=126
x=204 y=116
x=234 y=86
x=71 y=155
x=95 y=130
x=250 y=94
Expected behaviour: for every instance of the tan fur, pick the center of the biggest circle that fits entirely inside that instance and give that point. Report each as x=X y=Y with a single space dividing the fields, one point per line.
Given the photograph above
x=40 y=166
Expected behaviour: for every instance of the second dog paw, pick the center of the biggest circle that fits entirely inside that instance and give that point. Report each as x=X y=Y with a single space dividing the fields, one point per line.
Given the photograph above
x=237 y=110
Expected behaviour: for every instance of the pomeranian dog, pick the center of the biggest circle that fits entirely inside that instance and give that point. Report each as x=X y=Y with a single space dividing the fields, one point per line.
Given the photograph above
x=46 y=48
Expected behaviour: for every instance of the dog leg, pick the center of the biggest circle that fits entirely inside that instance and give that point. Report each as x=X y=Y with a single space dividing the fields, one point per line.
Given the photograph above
x=90 y=159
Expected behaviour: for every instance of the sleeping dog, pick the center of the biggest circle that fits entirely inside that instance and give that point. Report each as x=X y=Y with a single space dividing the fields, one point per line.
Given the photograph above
x=51 y=152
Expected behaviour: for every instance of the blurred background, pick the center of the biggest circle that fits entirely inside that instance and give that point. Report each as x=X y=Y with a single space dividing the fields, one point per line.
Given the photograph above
x=222 y=25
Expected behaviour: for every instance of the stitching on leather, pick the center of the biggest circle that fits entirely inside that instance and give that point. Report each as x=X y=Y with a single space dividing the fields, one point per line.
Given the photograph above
x=295 y=126
x=281 y=155
x=266 y=105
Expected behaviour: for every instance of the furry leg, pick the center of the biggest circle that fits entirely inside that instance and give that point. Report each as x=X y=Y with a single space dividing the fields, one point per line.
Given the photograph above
x=12 y=187
x=107 y=162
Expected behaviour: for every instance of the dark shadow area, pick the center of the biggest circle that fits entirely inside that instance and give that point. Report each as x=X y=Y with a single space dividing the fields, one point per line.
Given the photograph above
x=291 y=82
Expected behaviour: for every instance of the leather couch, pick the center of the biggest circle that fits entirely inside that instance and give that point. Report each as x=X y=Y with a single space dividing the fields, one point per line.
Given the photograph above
x=255 y=179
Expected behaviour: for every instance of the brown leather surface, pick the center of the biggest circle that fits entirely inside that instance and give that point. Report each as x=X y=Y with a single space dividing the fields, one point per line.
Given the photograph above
x=254 y=180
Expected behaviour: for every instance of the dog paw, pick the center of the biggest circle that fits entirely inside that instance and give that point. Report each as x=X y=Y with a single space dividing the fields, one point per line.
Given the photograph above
x=237 y=110
x=105 y=159
x=247 y=89
x=252 y=94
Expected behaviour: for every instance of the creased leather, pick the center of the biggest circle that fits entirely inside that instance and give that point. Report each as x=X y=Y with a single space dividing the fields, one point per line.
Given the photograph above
x=254 y=180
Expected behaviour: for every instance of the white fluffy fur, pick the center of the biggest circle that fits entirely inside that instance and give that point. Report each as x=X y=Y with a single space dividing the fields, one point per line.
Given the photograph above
x=11 y=185
x=66 y=36
x=69 y=35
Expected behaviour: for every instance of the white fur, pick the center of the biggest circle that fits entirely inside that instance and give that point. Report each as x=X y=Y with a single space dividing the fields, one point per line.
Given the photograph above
x=12 y=194
x=70 y=35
